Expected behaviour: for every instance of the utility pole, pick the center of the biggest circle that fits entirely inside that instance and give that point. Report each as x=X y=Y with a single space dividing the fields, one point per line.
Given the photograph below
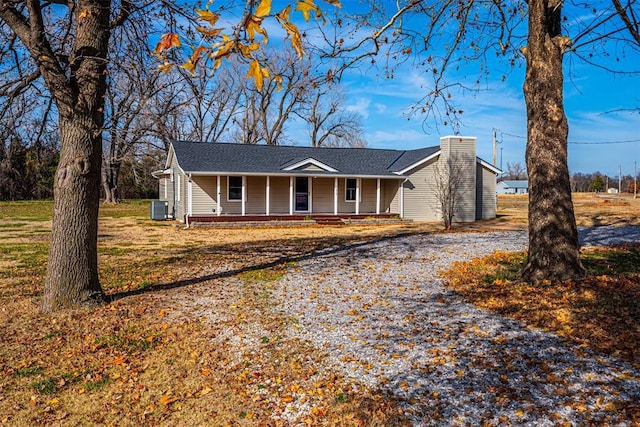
x=635 y=179
x=619 y=179
x=495 y=148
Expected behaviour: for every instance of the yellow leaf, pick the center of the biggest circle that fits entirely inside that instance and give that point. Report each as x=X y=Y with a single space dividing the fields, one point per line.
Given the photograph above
x=223 y=51
x=257 y=73
x=84 y=13
x=283 y=15
x=278 y=79
x=165 y=68
x=211 y=32
x=292 y=30
x=246 y=50
x=263 y=8
x=207 y=15
x=306 y=6
x=287 y=399
x=252 y=24
x=204 y=391
x=119 y=361
x=167 y=399
x=190 y=66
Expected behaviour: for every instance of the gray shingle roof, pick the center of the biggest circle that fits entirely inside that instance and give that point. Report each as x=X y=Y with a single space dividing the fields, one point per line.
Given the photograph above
x=244 y=158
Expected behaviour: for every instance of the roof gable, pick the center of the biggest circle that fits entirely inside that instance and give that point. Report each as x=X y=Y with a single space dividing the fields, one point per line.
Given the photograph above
x=310 y=164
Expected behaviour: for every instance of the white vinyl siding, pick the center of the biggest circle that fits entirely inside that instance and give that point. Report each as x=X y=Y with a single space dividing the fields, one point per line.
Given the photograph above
x=203 y=195
x=485 y=193
x=463 y=151
x=323 y=195
x=420 y=201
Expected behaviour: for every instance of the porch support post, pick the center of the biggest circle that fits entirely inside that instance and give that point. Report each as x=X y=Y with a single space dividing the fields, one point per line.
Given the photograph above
x=310 y=179
x=291 y=195
x=335 y=196
x=267 y=195
x=219 y=207
x=402 y=199
x=358 y=182
x=378 y=196
x=189 y=198
x=244 y=195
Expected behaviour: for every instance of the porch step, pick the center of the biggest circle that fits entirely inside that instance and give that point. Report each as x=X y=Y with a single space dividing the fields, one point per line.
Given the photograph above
x=329 y=221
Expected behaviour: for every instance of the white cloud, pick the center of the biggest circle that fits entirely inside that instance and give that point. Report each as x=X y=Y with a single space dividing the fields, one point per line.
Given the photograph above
x=361 y=106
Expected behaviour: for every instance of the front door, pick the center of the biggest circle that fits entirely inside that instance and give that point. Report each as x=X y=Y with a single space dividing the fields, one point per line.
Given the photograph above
x=302 y=194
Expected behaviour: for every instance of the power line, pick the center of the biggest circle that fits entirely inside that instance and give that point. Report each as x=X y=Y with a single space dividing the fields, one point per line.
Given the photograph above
x=605 y=142
x=580 y=142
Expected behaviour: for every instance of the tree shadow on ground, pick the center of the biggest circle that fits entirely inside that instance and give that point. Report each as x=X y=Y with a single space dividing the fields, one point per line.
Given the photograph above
x=269 y=254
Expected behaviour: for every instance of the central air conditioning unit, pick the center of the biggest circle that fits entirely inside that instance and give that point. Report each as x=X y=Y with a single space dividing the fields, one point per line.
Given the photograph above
x=159 y=210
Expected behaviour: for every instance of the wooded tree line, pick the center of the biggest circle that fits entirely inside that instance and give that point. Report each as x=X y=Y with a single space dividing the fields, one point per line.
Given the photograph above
x=580 y=182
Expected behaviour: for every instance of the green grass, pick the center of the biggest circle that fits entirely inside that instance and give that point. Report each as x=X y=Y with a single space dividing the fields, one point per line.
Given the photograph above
x=42 y=210
x=622 y=260
x=98 y=384
x=27 y=210
x=126 y=209
x=29 y=256
x=46 y=386
x=29 y=371
x=128 y=342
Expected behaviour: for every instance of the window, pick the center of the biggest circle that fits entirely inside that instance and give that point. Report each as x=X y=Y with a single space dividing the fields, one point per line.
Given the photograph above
x=234 y=185
x=350 y=193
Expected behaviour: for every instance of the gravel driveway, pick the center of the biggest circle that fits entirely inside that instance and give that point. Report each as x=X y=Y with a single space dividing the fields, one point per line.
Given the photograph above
x=386 y=319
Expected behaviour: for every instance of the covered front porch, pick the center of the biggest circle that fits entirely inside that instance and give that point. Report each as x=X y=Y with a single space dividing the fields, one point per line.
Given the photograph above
x=293 y=197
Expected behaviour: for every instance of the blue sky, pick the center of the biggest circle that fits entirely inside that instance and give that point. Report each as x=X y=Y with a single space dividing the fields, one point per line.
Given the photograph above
x=589 y=102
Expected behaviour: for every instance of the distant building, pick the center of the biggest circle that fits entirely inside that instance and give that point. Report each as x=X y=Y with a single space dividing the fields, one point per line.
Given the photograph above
x=516 y=186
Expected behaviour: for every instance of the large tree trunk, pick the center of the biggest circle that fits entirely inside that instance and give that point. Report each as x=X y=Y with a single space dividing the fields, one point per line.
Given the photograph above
x=72 y=271
x=553 y=235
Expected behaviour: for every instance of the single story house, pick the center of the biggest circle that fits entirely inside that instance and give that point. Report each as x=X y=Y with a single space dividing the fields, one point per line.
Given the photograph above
x=221 y=180
x=513 y=186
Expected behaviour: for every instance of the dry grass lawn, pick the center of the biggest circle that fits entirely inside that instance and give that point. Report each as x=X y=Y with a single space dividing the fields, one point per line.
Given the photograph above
x=156 y=354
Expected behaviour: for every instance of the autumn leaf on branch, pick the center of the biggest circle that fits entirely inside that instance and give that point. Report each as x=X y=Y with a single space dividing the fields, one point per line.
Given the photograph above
x=190 y=65
x=210 y=32
x=167 y=41
x=207 y=15
x=263 y=9
x=292 y=30
x=258 y=73
x=307 y=6
x=224 y=50
x=253 y=25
